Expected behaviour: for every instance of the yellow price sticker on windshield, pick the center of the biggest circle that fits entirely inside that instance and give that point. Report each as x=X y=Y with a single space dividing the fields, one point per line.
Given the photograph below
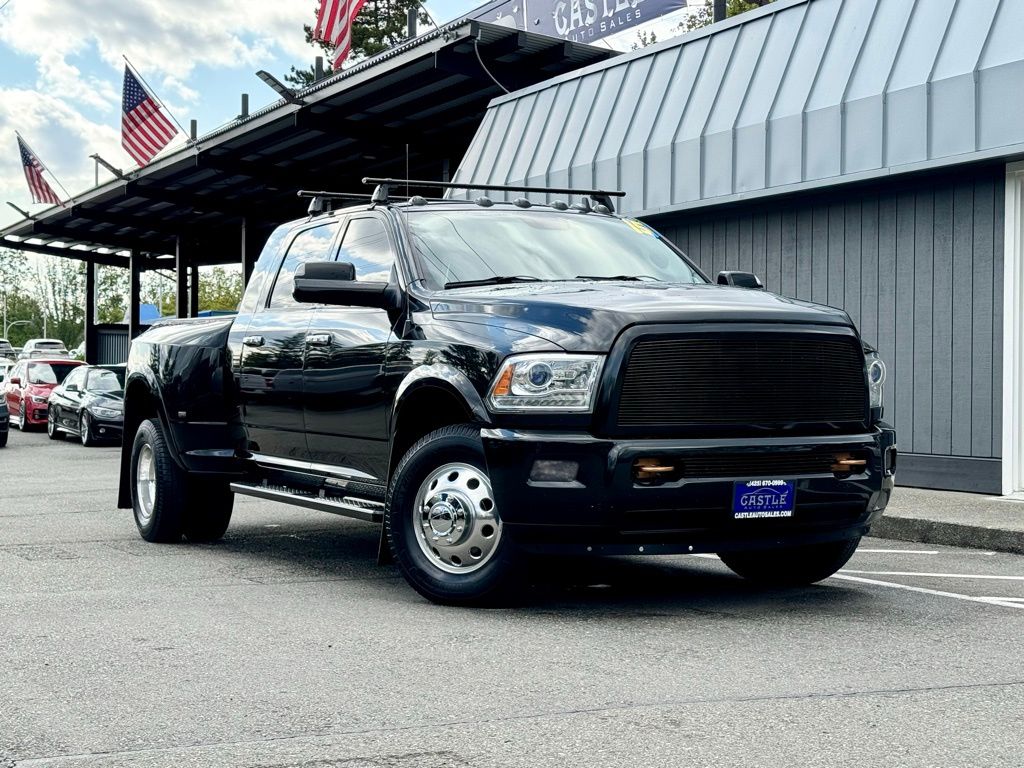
x=639 y=226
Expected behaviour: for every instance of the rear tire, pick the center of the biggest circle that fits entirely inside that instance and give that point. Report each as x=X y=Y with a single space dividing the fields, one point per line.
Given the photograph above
x=3 y=439
x=208 y=510
x=157 y=485
x=791 y=566
x=442 y=523
x=52 y=430
x=166 y=501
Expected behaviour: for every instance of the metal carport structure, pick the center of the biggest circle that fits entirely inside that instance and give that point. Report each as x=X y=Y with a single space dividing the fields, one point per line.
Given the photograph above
x=412 y=109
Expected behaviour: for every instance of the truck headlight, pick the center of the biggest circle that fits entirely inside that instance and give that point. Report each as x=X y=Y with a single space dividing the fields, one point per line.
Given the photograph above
x=876 y=377
x=546 y=382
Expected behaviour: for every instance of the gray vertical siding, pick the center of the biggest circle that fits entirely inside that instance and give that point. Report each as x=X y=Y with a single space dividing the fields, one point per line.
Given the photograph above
x=918 y=265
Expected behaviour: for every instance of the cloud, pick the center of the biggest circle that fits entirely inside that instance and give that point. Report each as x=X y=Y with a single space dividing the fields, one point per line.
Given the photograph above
x=76 y=47
x=61 y=136
x=159 y=37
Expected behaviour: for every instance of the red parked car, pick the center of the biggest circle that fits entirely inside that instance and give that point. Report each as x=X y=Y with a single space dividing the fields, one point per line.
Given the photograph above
x=28 y=387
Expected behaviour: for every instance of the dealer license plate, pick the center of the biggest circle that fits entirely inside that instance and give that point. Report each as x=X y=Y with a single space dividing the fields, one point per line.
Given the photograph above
x=762 y=498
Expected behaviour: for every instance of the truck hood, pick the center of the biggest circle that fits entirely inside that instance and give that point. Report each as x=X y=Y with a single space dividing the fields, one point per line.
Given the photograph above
x=587 y=317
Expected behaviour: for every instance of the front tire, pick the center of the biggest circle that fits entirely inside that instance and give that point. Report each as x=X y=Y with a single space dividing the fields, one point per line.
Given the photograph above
x=791 y=566
x=443 y=525
x=85 y=430
x=52 y=430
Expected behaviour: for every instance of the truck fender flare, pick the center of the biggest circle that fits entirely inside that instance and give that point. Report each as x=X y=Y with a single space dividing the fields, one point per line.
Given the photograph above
x=136 y=379
x=444 y=377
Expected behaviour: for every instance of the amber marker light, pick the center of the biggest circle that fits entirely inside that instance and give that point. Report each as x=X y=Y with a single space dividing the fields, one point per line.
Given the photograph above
x=503 y=386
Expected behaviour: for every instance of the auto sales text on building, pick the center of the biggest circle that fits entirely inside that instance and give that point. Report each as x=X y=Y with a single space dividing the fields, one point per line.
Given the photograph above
x=575 y=20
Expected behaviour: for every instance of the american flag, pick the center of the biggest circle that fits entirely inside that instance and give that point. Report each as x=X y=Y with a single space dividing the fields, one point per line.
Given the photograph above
x=145 y=130
x=41 y=191
x=334 y=25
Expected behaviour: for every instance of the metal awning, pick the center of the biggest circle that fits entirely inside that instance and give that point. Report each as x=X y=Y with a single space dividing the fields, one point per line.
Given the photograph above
x=411 y=110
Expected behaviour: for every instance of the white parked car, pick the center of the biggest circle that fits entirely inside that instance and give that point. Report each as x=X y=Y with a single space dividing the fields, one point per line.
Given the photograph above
x=43 y=348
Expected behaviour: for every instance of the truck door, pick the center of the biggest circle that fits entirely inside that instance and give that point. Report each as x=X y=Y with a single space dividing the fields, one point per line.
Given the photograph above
x=346 y=424
x=273 y=347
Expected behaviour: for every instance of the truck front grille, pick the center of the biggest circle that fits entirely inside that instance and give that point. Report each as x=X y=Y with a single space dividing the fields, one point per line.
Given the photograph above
x=757 y=380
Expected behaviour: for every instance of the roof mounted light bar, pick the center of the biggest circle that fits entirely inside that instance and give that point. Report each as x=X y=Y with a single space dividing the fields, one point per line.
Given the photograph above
x=320 y=199
x=382 y=192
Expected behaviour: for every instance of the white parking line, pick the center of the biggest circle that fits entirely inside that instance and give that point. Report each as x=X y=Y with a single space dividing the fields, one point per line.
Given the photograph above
x=939 y=593
x=936 y=575
x=863 y=550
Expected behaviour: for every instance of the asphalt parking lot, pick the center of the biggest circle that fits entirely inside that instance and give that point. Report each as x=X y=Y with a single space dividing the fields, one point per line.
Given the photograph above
x=286 y=645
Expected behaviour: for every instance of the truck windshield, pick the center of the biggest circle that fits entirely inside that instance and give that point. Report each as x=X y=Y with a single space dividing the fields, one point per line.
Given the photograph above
x=469 y=246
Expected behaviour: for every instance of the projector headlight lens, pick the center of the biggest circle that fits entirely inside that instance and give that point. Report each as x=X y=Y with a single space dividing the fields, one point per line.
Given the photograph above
x=546 y=382
x=876 y=378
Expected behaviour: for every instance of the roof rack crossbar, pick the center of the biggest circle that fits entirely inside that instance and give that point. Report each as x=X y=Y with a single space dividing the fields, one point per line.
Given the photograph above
x=380 y=194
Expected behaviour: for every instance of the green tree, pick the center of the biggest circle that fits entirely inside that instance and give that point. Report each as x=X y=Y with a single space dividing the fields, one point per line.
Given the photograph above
x=220 y=289
x=59 y=290
x=381 y=24
x=18 y=308
x=644 y=39
x=705 y=14
x=112 y=287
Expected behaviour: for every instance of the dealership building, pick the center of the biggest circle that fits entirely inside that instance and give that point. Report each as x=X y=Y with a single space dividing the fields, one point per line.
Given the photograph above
x=859 y=153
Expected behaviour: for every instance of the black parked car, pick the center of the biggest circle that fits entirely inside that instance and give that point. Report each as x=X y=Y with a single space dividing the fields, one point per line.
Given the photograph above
x=5 y=423
x=489 y=379
x=90 y=404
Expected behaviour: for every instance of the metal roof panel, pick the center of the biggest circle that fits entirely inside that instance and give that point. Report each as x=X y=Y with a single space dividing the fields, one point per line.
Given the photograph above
x=797 y=94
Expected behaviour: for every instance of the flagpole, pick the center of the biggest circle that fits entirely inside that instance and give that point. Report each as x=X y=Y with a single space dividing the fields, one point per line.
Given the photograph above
x=149 y=88
x=46 y=168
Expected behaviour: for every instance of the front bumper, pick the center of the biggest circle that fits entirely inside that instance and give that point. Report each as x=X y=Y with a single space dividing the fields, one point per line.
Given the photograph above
x=605 y=509
x=107 y=429
x=35 y=414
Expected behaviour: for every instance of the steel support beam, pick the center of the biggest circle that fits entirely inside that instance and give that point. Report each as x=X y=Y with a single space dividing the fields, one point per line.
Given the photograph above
x=193 y=289
x=252 y=244
x=181 y=277
x=196 y=203
x=108 y=259
x=134 y=293
x=103 y=239
x=91 y=336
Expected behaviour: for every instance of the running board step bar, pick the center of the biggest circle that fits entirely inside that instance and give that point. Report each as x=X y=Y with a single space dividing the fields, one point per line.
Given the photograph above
x=349 y=506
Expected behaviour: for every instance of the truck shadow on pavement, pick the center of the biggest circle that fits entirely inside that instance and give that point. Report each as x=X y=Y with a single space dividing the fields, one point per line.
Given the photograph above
x=346 y=551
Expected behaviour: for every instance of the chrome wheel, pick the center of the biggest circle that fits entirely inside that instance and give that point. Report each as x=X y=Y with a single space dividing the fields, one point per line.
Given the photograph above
x=455 y=518
x=145 y=484
x=51 y=425
x=84 y=428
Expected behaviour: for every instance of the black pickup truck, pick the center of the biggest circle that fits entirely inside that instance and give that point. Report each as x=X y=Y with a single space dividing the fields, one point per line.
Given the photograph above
x=493 y=380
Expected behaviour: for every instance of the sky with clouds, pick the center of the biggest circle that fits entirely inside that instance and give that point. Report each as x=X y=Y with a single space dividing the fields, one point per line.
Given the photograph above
x=61 y=70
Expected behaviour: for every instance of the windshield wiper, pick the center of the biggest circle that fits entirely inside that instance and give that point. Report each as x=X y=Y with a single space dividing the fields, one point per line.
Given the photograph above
x=641 y=278
x=496 y=280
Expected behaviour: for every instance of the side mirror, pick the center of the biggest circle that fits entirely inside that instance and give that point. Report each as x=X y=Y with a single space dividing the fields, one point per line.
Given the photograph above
x=16 y=381
x=334 y=282
x=71 y=388
x=741 y=280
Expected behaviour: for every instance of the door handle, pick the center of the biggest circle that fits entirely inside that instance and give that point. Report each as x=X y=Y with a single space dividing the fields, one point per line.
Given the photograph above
x=318 y=339
x=253 y=341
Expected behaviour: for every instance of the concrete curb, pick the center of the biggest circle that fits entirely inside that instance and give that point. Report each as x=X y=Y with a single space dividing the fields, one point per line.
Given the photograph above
x=949 y=534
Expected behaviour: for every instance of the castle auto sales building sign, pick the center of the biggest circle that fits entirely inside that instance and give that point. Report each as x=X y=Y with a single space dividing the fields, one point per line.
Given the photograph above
x=580 y=21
